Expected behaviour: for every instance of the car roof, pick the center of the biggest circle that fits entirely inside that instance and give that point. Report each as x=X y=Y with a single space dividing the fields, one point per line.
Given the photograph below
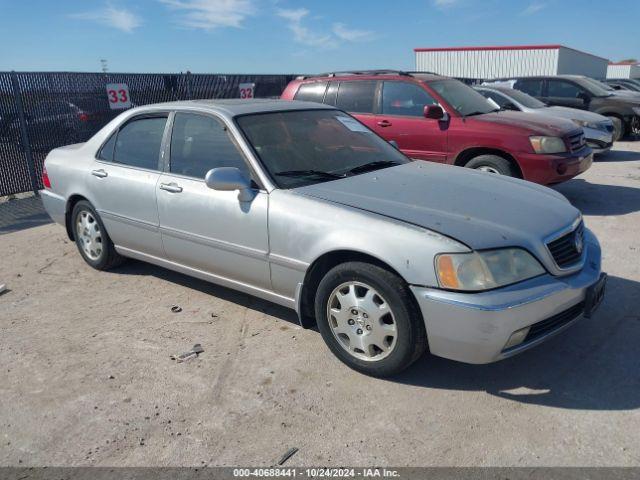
x=339 y=77
x=235 y=107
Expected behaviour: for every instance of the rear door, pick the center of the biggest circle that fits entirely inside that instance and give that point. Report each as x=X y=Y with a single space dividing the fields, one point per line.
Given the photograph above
x=359 y=99
x=402 y=120
x=205 y=229
x=565 y=93
x=123 y=182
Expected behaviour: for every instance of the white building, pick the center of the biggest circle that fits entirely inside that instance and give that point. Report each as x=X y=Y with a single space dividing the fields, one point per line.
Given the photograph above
x=512 y=61
x=623 y=70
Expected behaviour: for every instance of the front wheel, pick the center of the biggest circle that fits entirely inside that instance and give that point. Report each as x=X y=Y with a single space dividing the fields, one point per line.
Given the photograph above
x=493 y=164
x=369 y=320
x=618 y=128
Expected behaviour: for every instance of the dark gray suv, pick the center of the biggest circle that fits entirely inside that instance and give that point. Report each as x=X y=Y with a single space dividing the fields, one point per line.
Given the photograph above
x=576 y=92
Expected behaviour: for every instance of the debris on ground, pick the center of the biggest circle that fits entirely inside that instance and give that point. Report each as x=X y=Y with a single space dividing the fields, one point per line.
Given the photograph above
x=193 y=353
x=290 y=453
x=176 y=309
x=3 y=287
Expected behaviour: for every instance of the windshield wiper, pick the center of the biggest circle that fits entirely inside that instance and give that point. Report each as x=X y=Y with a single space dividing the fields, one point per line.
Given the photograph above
x=367 y=167
x=308 y=173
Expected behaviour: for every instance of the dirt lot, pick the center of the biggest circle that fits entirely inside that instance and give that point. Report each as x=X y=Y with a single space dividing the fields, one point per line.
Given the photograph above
x=87 y=379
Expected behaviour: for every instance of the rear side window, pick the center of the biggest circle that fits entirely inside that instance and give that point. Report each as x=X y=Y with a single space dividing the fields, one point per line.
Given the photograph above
x=311 y=92
x=562 y=89
x=200 y=143
x=402 y=98
x=532 y=86
x=357 y=97
x=106 y=152
x=138 y=143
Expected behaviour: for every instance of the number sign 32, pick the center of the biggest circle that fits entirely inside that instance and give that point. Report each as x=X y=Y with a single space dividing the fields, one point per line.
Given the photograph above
x=246 y=90
x=118 y=95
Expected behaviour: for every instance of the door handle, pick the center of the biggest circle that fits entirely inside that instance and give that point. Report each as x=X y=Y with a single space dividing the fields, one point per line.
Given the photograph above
x=384 y=123
x=171 y=187
x=99 y=173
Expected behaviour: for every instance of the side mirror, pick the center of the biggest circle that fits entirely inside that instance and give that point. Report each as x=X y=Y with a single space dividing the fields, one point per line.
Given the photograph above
x=434 y=112
x=584 y=97
x=229 y=179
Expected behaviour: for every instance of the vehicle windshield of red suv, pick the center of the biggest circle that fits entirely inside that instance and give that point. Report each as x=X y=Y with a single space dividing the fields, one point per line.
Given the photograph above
x=302 y=147
x=464 y=99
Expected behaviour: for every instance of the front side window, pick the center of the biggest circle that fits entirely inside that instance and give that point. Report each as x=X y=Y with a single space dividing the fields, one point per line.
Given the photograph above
x=139 y=141
x=403 y=98
x=530 y=86
x=200 y=143
x=562 y=89
x=464 y=99
x=311 y=92
x=356 y=97
x=302 y=147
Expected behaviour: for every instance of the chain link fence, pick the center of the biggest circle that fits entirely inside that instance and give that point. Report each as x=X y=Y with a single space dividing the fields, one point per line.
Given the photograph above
x=40 y=111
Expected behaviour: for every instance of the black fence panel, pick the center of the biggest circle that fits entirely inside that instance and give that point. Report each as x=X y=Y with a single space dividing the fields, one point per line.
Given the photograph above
x=14 y=169
x=60 y=108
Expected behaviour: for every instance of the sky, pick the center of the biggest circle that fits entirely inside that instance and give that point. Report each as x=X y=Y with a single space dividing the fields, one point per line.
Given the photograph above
x=294 y=36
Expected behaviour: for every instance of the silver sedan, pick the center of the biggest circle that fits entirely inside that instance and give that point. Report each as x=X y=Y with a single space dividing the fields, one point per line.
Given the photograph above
x=300 y=204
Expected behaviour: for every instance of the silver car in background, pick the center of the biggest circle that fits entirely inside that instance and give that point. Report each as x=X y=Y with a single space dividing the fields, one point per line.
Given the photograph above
x=598 y=129
x=300 y=204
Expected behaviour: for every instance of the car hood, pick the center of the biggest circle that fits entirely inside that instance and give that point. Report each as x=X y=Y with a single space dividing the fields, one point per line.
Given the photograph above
x=551 y=126
x=573 y=114
x=481 y=210
x=626 y=94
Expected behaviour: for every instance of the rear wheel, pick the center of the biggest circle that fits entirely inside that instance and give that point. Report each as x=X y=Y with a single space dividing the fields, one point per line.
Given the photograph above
x=618 y=128
x=92 y=239
x=369 y=320
x=493 y=164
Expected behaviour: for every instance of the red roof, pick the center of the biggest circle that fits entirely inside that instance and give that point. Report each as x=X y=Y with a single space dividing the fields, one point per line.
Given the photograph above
x=624 y=63
x=503 y=47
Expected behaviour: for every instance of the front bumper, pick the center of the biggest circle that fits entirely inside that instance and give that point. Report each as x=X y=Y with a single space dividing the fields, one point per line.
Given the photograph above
x=550 y=169
x=475 y=327
x=600 y=141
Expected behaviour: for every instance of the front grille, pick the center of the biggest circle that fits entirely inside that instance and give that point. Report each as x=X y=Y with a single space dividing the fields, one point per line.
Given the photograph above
x=540 y=329
x=567 y=250
x=576 y=141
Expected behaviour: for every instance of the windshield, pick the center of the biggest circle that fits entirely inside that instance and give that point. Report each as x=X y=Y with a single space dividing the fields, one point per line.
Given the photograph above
x=464 y=99
x=593 y=86
x=302 y=147
x=523 y=99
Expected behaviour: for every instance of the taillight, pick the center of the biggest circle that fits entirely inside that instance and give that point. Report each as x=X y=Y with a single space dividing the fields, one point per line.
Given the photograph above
x=83 y=117
x=45 y=178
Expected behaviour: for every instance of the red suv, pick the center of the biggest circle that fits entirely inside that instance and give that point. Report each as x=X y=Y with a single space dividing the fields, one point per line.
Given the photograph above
x=443 y=120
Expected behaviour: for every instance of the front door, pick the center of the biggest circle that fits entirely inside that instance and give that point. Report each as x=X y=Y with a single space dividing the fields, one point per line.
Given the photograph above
x=402 y=120
x=565 y=94
x=123 y=184
x=206 y=229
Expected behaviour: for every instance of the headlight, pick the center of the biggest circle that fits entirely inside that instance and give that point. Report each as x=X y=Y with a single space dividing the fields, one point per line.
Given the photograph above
x=548 y=144
x=636 y=110
x=485 y=270
x=585 y=124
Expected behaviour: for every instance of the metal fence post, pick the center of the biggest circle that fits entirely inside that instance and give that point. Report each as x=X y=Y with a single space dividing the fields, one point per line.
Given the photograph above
x=188 y=75
x=26 y=145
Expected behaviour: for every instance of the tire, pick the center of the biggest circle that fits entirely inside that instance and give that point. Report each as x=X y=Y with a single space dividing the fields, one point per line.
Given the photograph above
x=92 y=239
x=618 y=128
x=379 y=333
x=493 y=164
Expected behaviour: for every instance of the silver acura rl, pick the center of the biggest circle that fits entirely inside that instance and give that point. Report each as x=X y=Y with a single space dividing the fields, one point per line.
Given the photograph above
x=300 y=204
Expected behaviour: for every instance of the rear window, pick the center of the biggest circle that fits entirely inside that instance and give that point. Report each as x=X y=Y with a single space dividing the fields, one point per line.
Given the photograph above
x=531 y=86
x=356 y=97
x=311 y=92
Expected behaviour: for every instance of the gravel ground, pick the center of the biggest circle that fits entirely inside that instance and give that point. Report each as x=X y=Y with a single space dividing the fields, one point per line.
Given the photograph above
x=87 y=379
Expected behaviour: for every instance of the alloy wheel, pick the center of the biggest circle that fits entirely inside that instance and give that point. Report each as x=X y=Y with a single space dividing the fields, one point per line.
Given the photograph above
x=89 y=234
x=362 y=321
